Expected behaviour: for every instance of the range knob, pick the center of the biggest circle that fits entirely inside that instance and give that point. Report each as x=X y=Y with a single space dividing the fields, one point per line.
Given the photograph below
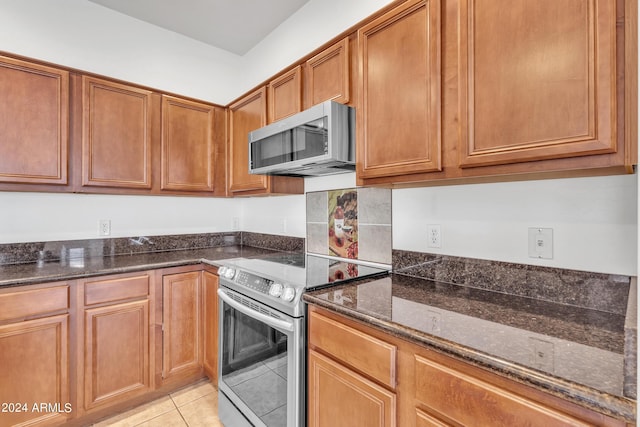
x=275 y=290
x=288 y=293
x=227 y=272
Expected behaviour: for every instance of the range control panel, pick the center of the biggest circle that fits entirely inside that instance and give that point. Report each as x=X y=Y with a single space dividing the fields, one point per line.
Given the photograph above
x=254 y=282
x=259 y=284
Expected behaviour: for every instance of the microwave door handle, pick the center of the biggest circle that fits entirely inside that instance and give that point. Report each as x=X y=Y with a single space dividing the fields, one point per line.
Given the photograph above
x=270 y=321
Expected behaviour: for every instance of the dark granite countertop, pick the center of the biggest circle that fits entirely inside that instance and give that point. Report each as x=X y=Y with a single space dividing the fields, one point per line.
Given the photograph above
x=573 y=353
x=75 y=268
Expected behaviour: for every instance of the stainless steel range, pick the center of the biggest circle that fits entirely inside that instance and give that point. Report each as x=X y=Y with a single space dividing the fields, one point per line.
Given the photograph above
x=262 y=342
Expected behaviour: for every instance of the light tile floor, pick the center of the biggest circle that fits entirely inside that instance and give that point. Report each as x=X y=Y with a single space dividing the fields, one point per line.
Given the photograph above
x=192 y=406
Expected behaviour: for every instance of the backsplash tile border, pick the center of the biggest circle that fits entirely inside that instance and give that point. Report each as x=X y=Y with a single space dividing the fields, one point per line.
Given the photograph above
x=32 y=252
x=597 y=291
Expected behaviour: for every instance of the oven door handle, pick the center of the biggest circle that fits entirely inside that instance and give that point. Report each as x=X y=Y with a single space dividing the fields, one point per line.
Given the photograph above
x=270 y=321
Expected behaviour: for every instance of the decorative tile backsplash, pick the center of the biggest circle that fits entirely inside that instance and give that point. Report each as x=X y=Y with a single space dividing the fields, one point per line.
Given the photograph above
x=350 y=223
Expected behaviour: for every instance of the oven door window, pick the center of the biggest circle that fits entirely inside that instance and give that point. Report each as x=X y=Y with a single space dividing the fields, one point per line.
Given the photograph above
x=303 y=142
x=254 y=365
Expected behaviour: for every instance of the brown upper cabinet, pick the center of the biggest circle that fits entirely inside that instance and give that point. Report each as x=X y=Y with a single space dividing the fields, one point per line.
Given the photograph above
x=34 y=134
x=398 y=114
x=188 y=149
x=491 y=90
x=138 y=141
x=285 y=94
x=328 y=75
x=245 y=115
x=538 y=80
x=116 y=134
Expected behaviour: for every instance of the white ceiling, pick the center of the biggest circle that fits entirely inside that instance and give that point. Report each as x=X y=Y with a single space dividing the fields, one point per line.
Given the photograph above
x=233 y=25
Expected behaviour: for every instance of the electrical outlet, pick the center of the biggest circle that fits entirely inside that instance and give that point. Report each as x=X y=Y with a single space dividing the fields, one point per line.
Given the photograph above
x=283 y=225
x=542 y=354
x=434 y=236
x=104 y=227
x=541 y=243
x=236 y=223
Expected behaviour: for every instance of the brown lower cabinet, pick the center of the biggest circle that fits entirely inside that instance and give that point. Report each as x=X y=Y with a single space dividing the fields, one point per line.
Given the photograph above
x=182 y=324
x=34 y=355
x=78 y=351
x=351 y=385
x=116 y=339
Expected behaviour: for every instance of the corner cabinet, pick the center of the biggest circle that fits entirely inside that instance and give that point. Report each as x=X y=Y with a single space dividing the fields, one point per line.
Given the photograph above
x=34 y=129
x=398 y=114
x=245 y=115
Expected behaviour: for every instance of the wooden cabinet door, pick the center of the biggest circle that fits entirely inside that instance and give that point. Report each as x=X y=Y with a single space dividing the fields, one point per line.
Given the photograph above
x=338 y=397
x=117 y=352
x=34 y=124
x=398 y=115
x=537 y=80
x=34 y=370
x=285 y=95
x=116 y=135
x=210 y=325
x=327 y=75
x=188 y=150
x=182 y=341
x=245 y=115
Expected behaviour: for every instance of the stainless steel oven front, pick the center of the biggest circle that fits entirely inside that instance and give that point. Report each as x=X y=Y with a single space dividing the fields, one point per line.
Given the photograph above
x=260 y=361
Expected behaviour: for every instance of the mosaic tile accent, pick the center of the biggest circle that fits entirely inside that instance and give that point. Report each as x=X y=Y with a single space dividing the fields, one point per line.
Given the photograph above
x=362 y=229
x=597 y=291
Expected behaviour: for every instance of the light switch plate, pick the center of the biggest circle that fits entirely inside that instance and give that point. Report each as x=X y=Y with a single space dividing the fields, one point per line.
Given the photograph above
x=541 y=243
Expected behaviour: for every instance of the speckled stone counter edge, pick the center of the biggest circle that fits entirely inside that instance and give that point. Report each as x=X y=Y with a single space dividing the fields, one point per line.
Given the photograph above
x=614 y=406
x=32 y=252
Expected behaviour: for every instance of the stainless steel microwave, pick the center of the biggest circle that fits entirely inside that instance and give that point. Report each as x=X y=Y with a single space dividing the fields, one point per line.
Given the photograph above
x=315 y=142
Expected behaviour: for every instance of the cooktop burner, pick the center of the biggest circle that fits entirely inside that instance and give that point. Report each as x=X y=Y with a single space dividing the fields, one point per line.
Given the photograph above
x=279 y=279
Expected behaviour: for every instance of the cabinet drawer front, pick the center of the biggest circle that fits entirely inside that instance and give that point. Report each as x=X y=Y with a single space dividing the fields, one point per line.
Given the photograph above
x=354 y=348
x=33 y=302
x=470 y=401
x=116 y=289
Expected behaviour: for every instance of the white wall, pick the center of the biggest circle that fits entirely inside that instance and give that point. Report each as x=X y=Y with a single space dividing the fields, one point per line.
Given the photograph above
x=90 y=37
x=29 y=217
x=87 y=36
x=594 y=221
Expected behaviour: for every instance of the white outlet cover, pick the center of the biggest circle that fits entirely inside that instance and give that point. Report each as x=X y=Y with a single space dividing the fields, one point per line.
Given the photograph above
x=434 y=236
x=541 y=243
